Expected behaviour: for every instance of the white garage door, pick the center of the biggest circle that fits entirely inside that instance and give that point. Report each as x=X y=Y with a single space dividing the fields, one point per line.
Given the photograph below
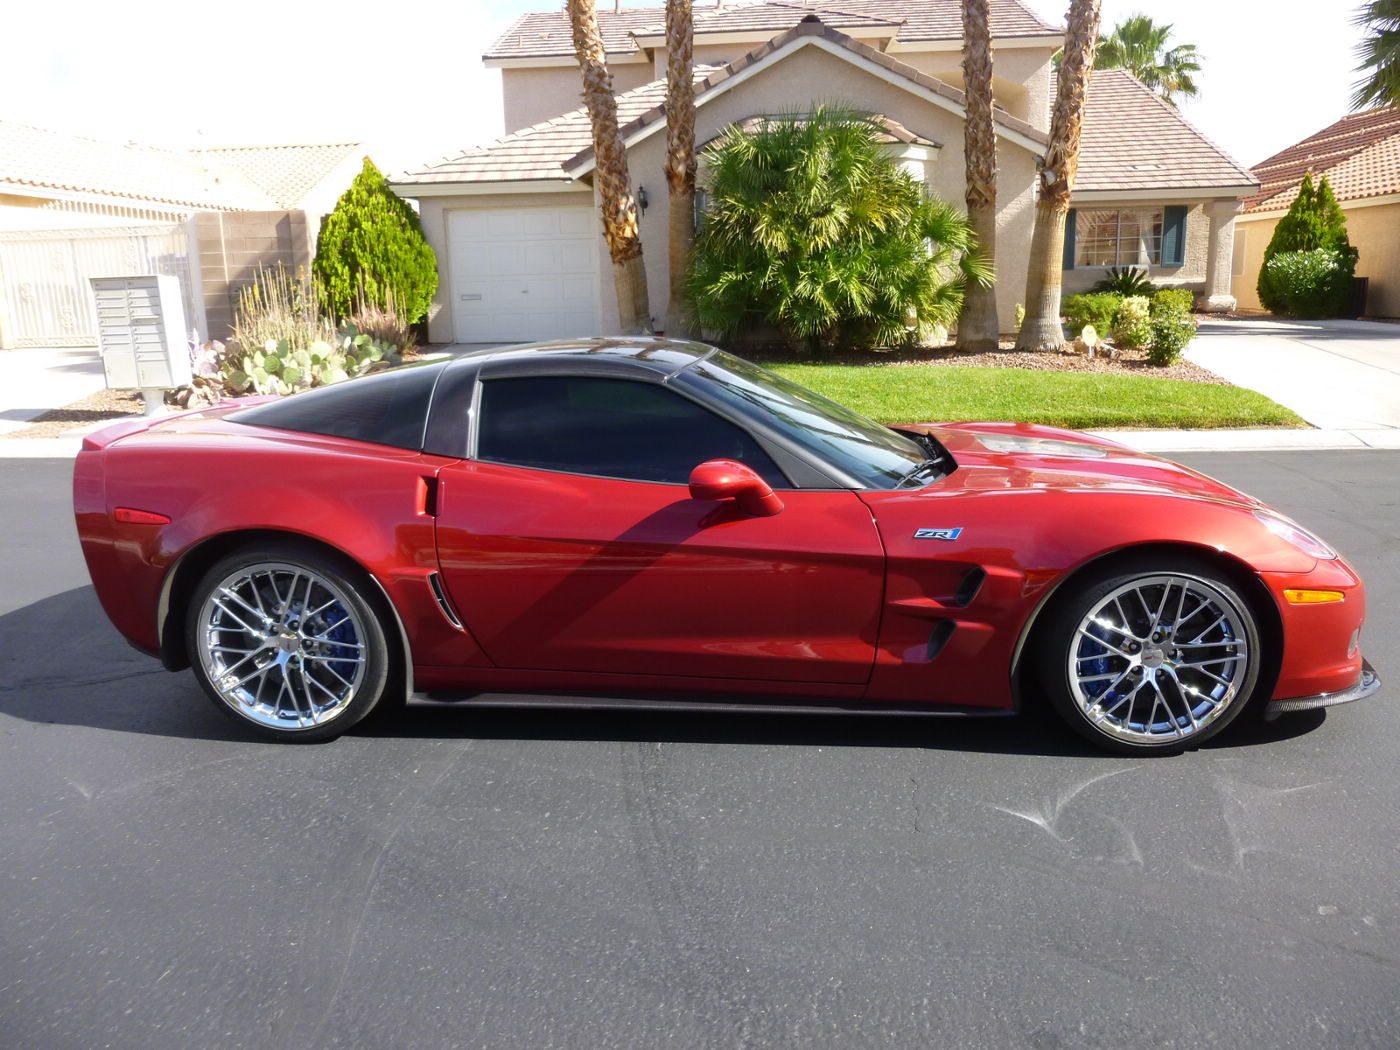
x=521 y=274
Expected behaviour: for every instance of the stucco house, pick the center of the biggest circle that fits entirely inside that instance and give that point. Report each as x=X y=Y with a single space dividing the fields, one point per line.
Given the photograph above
x=72 y=208
x=515 y=223
x=1360 y=155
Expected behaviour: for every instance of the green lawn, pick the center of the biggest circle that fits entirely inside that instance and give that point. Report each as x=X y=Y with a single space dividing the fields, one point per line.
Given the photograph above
x=1079 y=400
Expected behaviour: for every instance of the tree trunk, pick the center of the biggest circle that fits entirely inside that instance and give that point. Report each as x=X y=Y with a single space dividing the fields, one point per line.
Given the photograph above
x=680 y=156
x=1041 y=329
x=978 y=325
x=619 y=209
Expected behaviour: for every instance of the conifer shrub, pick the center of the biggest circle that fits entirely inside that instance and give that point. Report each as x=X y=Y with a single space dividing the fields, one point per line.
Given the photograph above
x=372 y=251
x=1315 y=279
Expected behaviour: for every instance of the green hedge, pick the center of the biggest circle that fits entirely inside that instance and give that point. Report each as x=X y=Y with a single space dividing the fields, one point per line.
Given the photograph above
x=1173 y=300
x=1093 y=308
x=1315 y=283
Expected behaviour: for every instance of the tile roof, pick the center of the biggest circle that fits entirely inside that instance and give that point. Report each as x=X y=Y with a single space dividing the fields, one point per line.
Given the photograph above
x=542 y=34
x=811 y=26
x=237 y=178
x=891 y=131
x=537 y=152
x=285 y=173
x=1132 y=140
x=1359 y=154
x=37 y=157
x=552 y=149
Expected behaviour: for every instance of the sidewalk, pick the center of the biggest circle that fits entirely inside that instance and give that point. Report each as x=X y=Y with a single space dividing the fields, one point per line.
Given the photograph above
x=37 y=379
x=1338 y=375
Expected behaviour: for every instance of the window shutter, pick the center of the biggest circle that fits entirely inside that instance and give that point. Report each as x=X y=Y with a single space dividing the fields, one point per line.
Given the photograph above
x=1069 y=240
x=1174 y=235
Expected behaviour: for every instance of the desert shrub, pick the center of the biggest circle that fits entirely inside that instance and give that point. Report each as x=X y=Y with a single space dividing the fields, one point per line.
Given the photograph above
x=1173 y=300
x=1125 y=281
x=812 y=227
x=279 y=368
x=1020 y=315
x=280 y=307
x=1093 y=308
x=1132 y=324
x=372 y=248
x=1307 y=285
x=1314 y=283
x=1171 y=331
x=384 y=323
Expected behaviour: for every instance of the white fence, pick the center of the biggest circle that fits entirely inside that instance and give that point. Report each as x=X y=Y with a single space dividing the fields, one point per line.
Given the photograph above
x=45 y=299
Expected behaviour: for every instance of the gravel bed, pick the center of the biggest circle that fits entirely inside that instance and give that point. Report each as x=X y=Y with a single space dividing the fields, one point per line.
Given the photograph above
x=1129 y=362
x=103 y=406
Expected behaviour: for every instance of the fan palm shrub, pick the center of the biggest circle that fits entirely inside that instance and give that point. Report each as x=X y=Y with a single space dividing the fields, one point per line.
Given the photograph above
x=812 y=227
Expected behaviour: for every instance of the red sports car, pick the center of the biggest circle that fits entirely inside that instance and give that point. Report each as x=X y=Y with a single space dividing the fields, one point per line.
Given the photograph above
x=635 y=519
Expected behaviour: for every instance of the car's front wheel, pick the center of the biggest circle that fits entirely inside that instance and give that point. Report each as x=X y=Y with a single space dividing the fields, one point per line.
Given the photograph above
x=1151 y=658
x=286 y=639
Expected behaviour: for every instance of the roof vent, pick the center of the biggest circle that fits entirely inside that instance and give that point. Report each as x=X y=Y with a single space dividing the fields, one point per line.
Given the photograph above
x=812 y=18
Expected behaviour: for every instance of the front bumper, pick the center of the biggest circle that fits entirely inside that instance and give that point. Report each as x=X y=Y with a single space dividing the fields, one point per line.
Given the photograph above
x=1367 y=685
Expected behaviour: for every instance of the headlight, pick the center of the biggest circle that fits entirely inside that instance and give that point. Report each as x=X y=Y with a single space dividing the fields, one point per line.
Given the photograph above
x=1295 y=534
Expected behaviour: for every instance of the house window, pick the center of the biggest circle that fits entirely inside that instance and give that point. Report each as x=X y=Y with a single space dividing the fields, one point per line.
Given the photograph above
x=1118 y=237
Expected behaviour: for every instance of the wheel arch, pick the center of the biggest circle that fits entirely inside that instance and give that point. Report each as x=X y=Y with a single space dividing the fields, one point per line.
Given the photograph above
x=1237 y=571
x=185 y=572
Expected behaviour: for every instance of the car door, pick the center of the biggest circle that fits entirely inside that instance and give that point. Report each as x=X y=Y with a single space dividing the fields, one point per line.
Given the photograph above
x=570 y=542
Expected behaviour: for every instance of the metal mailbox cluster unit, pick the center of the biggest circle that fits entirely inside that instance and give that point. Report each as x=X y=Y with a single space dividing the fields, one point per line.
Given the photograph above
x=141 y=334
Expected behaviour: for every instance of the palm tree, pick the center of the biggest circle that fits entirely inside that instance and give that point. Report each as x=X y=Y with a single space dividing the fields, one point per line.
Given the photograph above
x=1041 y=328
x=680 y=153
x=978 y=325
x=619 y=209
x=1140 y=46
x=1380 y=55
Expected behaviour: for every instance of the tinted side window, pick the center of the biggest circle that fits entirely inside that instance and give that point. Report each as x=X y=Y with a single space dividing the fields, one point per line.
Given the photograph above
x=608 y=427
x=387 y=408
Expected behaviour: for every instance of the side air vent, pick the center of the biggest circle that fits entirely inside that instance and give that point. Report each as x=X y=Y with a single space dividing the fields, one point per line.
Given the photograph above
x=938 y=637
x=970 y=585
x=435 y=582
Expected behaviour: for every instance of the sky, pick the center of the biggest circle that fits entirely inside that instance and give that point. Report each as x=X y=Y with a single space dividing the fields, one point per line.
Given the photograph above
x=406 y=78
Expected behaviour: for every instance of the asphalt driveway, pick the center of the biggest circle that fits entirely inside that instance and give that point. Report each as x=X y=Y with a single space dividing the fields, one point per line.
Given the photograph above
x=463 y=878
x=1338 y=375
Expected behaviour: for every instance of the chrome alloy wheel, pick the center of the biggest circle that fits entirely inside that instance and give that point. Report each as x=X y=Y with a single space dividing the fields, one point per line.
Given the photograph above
x=1159 y=659
x=282 y=645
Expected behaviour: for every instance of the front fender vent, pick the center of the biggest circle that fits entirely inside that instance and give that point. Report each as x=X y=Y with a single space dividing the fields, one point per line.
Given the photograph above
x=435 y=582
x=970 y=585
x=938 y=637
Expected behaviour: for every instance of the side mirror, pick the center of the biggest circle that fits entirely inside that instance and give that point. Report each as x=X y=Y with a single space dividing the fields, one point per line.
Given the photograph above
x=719 y=479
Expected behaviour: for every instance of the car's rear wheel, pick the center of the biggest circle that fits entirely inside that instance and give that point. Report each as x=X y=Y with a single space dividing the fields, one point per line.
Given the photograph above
x=287 y=641
x=1151 y=658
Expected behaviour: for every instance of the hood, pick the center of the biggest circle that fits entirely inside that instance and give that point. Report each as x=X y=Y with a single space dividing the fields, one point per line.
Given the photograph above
x=1020 y=456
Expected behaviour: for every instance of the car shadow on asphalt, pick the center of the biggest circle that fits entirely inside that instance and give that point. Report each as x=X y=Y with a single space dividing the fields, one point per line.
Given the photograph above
x=101 y=683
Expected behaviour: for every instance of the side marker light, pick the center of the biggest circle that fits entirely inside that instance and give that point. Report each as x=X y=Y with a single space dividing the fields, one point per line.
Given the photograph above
x=1304 y=597
x=130 y=516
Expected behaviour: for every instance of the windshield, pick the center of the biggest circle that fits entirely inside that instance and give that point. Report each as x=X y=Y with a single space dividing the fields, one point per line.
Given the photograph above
x=874 y=455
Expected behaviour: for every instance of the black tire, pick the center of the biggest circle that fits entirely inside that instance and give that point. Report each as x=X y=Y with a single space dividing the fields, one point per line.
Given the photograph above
x=303 y=663
x=1131 y=646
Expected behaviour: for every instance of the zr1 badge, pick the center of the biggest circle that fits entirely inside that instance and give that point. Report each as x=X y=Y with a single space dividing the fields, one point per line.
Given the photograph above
x=938 y=534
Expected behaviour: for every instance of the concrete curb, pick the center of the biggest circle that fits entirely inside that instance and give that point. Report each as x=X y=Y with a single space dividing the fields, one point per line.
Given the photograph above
x=1261 y=440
